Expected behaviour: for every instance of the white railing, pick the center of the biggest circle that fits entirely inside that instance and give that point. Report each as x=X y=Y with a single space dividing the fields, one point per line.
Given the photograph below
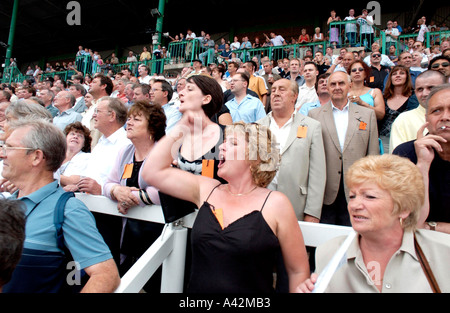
x=170 y=248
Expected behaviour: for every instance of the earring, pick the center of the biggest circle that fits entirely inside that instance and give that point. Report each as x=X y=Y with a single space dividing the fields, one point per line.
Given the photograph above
x=401 y=221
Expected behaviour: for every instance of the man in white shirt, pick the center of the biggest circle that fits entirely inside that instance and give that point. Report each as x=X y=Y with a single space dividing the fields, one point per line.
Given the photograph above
x=109 y=118
x=391 y=34
x=143 y=70
x=385 y=60
x=131 y=57
x=302 y=173
x=350 y=28
x=307 y=92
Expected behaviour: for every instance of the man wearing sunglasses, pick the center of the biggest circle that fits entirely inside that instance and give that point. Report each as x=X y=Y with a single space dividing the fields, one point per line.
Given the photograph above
x=385 y=60
x=441 y=64
x=378 y=71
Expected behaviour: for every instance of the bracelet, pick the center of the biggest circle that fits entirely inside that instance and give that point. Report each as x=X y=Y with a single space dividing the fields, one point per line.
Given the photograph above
x=144 y=197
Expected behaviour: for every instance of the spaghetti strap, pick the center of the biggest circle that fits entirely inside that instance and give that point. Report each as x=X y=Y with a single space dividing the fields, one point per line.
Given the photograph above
x=212 y=192
x=265 y=200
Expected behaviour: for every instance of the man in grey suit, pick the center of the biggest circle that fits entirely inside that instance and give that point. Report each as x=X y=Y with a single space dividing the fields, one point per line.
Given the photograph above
x=302 y=173
x=78 y=92
x=349 y=133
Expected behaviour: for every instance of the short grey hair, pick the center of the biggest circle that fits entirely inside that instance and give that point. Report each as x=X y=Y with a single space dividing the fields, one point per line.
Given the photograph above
x=435 y=90
x=44 y=136
x=80 y=88
x=25 y=108
x=114 y=104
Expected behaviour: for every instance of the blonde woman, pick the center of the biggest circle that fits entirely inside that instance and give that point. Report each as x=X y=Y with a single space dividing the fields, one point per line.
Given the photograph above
x=241 y=226
x=386 y=205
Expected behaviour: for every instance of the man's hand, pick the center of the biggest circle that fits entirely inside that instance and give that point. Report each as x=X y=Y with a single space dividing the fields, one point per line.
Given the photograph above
x=89 y=185
x=424 y=146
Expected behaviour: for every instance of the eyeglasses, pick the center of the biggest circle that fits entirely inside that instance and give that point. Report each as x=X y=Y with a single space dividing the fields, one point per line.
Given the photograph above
x=154 y=90
x=360 y=69
x=4 y=148
x=436 y=65
x=377 y=55
x=96 y=111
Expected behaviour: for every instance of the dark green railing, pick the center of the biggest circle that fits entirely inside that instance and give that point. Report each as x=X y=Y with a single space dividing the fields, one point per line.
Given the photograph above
x=185 y=52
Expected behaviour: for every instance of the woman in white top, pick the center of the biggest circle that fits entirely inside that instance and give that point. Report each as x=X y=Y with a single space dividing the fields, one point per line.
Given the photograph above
x=78 y=138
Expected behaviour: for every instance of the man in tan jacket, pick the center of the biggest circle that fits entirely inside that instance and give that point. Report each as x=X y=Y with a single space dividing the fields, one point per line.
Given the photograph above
x=349 y=133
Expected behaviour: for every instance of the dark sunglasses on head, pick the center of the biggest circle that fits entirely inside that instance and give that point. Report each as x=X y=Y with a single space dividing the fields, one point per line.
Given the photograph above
x=436 y=65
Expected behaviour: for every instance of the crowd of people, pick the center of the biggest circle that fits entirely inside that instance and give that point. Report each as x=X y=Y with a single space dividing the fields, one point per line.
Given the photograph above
x=355 y=139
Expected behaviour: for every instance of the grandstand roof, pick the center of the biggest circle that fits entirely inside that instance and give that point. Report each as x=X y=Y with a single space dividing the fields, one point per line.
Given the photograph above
x=42 y=30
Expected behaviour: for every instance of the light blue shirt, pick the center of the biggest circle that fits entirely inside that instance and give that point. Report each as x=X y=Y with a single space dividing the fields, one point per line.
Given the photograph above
x=62 y=119
x=172 y=115
x=306 y=107
x=249 y=110
x=80 y=232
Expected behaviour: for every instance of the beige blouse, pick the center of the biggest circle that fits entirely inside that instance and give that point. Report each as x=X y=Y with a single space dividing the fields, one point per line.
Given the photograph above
x=403 y=273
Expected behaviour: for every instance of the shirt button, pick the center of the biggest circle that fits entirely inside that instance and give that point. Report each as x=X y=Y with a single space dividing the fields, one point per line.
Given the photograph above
x=388 y=286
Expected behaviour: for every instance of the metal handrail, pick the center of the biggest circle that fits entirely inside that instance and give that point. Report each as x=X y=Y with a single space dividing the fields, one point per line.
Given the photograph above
x=169 y=249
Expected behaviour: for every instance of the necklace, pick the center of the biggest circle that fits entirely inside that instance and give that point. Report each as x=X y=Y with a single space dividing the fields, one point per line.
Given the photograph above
x=240 y=194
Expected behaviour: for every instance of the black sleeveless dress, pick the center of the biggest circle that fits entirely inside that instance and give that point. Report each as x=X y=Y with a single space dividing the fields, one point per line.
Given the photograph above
x=238 y=259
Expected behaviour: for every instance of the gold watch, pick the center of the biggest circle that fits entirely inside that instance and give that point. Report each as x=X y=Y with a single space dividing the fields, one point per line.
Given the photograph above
x=432 y=225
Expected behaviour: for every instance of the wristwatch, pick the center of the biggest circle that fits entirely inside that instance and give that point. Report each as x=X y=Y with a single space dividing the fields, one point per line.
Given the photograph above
x=432 y=225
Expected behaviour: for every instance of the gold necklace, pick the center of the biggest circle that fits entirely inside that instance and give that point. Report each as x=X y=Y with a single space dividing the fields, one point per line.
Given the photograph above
x=240 y=194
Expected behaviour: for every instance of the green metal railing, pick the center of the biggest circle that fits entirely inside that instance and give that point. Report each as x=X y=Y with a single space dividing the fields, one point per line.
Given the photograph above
x=431 y=39
x=354 y=34
x=279 y=52
x=187 y=51
x=11 y=74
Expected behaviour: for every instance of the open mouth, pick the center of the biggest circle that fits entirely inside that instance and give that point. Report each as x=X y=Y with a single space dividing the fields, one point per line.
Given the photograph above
x=221 y=160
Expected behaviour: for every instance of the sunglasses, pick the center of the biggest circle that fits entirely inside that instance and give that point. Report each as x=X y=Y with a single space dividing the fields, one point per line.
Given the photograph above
x=376 y=55
x=360 y=69
x=436 y=65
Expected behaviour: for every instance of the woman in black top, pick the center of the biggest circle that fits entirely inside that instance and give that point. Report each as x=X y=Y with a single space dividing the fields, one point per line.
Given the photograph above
x=241 y=225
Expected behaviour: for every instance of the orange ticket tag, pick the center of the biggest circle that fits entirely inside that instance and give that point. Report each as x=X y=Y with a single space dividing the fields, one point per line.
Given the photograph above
x=301 y=131
x=128 y=170
x=208 y=168
x=218 y=213
x=372 y=79
x=362 y=126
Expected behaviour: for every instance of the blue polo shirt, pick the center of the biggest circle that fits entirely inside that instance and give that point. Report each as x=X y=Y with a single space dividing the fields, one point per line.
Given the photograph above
x=250 y=110
x=80 y=232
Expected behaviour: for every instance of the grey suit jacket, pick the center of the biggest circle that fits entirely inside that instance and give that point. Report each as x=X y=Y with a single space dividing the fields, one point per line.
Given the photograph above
x=358 y=143
x=80 y=106
x=302 y=173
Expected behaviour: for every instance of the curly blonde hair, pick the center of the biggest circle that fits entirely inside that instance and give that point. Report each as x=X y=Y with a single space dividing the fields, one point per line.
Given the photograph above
x=262 y=151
